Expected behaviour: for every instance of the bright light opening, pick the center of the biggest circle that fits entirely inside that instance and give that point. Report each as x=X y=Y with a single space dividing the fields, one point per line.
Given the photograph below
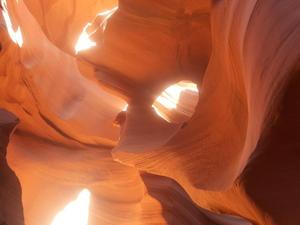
x=159 y=113
x=170 y=97
x=125 y=107
x=84 y=42
x=76 y=212
x=177 y=102
x=107 y=14
x=16 y=36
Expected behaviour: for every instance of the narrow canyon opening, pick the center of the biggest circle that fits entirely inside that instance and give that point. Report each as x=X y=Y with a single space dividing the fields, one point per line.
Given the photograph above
x=149 y=112
x=177 y=103
x=76 y=212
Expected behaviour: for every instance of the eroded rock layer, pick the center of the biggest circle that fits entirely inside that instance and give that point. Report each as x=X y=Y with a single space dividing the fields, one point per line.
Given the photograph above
x=88 y=117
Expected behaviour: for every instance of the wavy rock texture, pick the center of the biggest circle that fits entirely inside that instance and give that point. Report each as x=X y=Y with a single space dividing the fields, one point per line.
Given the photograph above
x=233 y=162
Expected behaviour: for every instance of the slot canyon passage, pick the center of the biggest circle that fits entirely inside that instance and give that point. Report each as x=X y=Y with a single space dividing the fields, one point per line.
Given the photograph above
x=149 y=112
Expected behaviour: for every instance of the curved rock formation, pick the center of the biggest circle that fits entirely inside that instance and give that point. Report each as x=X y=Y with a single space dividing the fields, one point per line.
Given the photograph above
x=11 y=211
x=69 y=67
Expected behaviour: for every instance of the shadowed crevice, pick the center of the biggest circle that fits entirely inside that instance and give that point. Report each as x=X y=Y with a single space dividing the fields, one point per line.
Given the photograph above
x=11 y=210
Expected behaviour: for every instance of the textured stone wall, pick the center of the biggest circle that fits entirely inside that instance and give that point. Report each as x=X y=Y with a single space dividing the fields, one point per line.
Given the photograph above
x=237 y=155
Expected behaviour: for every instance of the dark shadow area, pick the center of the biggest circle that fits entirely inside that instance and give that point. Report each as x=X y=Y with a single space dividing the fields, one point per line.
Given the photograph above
x=272 y=179
x=11 y=210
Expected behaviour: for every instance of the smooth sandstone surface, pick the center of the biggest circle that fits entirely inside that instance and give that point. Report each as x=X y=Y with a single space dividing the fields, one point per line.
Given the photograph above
x=234 y=161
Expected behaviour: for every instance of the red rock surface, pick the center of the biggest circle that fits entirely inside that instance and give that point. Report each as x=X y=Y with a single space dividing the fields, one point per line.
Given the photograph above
x=236 y=155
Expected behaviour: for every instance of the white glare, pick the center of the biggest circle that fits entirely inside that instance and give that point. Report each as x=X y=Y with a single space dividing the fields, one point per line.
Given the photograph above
x=76 y=212
x=159 y=114
x=125 y=107
x=170 y=97
x=84 y=42
x=16 y=36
